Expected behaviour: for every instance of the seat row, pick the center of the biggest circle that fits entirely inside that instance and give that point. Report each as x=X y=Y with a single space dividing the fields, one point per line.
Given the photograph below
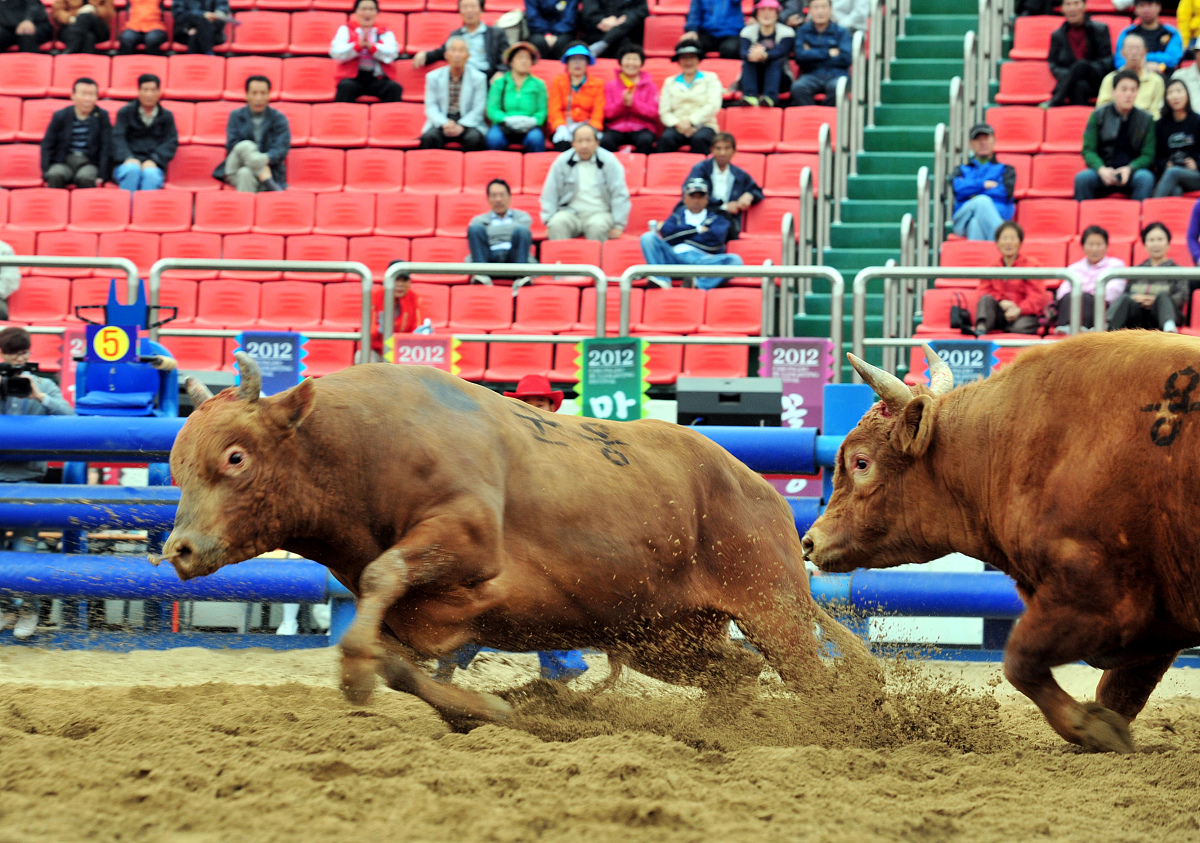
x=1031 y=33
x=497 y=7
x=1029 y=129
x=1061 y=220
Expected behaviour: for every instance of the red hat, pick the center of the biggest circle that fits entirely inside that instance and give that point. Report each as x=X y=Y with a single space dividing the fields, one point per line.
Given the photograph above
x=537 y=386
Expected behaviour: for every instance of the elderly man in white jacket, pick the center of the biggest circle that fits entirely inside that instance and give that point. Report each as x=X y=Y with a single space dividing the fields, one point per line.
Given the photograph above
x=455 y=102
x=365 y=52
x=585 y=191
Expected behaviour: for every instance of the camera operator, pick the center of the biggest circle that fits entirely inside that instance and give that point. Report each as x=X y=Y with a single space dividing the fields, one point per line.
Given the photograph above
x=43 y=399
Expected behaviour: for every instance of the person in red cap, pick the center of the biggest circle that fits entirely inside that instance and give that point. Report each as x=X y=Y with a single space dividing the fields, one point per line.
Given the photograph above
x=535 y=391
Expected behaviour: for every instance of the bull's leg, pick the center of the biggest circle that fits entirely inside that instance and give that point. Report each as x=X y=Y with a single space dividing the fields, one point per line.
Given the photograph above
x=457 y=706
x=1126 y=689
x=698 y=652
x=381 y=584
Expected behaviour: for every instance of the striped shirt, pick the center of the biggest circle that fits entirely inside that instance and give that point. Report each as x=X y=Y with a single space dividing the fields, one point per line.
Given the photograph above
x=79 y=135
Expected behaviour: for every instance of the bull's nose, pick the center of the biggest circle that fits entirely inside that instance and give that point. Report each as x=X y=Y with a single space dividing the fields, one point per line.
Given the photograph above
x=807 y=545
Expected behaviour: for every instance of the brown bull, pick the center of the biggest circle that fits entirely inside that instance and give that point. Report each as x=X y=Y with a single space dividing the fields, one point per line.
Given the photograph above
x=1076 y=471
x=457 y=515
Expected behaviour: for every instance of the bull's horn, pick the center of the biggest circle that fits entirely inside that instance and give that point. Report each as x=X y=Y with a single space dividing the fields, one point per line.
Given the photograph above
x=941 y=379
x=890 y=388
x=198 y=392
x=251 y=386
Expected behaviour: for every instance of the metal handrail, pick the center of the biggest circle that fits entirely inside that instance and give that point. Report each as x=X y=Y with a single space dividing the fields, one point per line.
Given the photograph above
x=986 y=44
x=893 y=27
x=875 y=62
x=803 y=254
x=844 y=146
x=905 y=11
x=891 y=312
x=351 y=267
x=850 y=135
x=970 y=74
x=924 y=191
x=787 y=258
x=124 y=264
x=940 y=190
x=1137 y=272
x=958 y=126
x=836 y=294
x=908 y=240
x=825 y=203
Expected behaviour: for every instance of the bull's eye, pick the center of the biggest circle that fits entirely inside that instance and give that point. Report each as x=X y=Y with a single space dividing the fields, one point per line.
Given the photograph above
x=861 y=464
x=235 y=458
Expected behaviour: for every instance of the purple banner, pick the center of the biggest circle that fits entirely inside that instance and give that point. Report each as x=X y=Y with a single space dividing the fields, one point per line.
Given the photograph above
x=805 y=365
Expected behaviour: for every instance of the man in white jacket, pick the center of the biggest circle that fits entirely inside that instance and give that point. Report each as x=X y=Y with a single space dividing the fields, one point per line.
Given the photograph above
x=689 y=103
x=585 y=191
x=455 y=101
x=365 y=52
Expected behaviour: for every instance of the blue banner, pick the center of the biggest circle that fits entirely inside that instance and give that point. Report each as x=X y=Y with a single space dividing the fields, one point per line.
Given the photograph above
x=969 y=360
x=279 y=355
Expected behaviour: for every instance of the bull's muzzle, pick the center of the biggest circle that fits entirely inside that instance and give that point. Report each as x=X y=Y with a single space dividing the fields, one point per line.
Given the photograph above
x=808 y=545
x=192 y=555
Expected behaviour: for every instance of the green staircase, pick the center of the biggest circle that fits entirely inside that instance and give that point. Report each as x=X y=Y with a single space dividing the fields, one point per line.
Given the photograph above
x=912 y=103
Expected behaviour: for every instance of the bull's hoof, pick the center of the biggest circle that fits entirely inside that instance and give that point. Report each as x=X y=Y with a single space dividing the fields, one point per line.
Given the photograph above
x=496 y=710
x=1103 y=730
x=358 y=679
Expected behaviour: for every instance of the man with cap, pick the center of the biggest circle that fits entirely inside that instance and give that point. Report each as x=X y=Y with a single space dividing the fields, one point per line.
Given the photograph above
x=694 y=234
x=690 y=103
x=576 y=97
x=983 y=188
x=823 y=52
x=485 y=43
x=585 y=193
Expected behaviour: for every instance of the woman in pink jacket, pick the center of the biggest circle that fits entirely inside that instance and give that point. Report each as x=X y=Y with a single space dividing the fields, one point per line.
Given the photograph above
x=631 y=105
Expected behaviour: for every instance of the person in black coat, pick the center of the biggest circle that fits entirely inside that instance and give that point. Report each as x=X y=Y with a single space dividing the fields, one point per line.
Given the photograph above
x=77 y=146
x=607 y=24
x=257 y=141
x=1080 y=56
x=25 y=24
x=731 y=190
x=144 y=148
x=200 y=23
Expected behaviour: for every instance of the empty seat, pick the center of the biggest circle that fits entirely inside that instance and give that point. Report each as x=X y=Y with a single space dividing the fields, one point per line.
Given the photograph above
x=618 y=255
x=202 y=354
x=573 y=251
x=316 y=169
x=479 y=308
x=180 y=294
x=396 y=124
x=342 y=310
x=1053 y=253
x=766 y=217
x=412 y=80
x=531 y=205
x=1054 y=175
x=71 y=66
x=37 y=208
x=471 y=360
x=141 y=247
x=261 y=32
x=935 y=308
x=511 y=361
x=35 y=118
x=634 y=164
x=755 y=251
x=435 y=303
x=405 y=214
x=324 y=357
x=546 y=309
x=312 y=32
x=315 y=247
x=125 y=71
x=612 y=309
x=756 y=129
x=479 y=168
x=440 y=250
x=341 y=124
x=666 y=171
x=290 y=306
x=645 y=208
x=1019 y=128
x=241 y=68
x=377 y=252
x=374 y=170
x=434 y=171
x=427 y=31
x=88 y=295
x=40 y=300
x=535 y=165
x=969 y=253
x=715 y=361
x=224 y=303
x=210 y=120
x=1025 y=83
x=225 y=211
x=191 y=76
x=454 y=212
x=783 y=173
x=1023 y=167
x=66 y=244
x=192 y=168
x=99 y=210
x=308 y=79
x=190 y=245
x=345 y=214
x=185 y=118
x=1031 y=36
x=1119 y=217
x=1172 y=211
x=1048 y=219
x=252 y=247
x=285 y=212
x=21 y=165
x=1064 y=128
x=733 y=310
x=662 y=34
x=26 y=74
x=672 y=311
x=664 y=362
x=566 y=366
x=299 y=115
x=802 y=128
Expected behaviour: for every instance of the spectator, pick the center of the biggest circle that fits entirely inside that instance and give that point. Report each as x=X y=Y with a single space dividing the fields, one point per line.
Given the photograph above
x=607 y=24
x=1118 y=146
x=575 y=97
x=585 y=192
x=731 y=190
x=1150 y=84
x=257 y=141
x=455 y=99
x=516 y=104
x=366 y=53
x=1193 y=236
x=77 y=146
x=693 y=235
x=551 y=24
x=144 y=26
x=24 y=24
x=1011 y=304
x=716 y=25
x=983 y=188
x=200 y=23
x=823 y=53
x=689 y=103
x=1187 y=18
x=144 y=139
x=10 y=280
x=486 y=44
x=766 y=46
x=44 y=399
x=1164 y=47
x=849 y=14
x=630 y=104
x=406 y=316
x=500 y=235
x=81 y=26
x=1177 y=155
x=1080 y=56
x=1095 y=260
x=1153 y=304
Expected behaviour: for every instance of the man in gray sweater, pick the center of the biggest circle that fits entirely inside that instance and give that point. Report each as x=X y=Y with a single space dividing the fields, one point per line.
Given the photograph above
x=502 y=234
x=585 y=192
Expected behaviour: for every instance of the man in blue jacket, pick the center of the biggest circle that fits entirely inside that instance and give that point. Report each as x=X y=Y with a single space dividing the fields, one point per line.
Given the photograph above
x=551 y=25
x=1164 y=46
x=257 y=141
x=717 y=25
x=983 y=188
x=693 y=235
x=731 y=190
x=823 y=53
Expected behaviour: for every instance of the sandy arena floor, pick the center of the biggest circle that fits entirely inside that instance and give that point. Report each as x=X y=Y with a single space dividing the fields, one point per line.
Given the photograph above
x=196 y=745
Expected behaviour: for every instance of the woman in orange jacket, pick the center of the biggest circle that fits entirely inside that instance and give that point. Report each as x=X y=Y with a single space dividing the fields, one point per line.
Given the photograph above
x=575 y=97
x=81 y=26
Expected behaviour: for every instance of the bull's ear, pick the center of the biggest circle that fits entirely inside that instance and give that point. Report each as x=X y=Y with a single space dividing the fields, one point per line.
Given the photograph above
x=915 y=430
x=295 y=404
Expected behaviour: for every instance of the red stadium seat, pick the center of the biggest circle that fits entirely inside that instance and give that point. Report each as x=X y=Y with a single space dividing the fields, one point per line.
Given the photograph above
x=756 y=251
x=672 y=311
x=47 y=350
x=1054 y=175
x=3 y=208
x=345 y=214
x=454 y=212
x=479 y=308
x=645 y=208
x=433 y=171
x=566 y=369
x=324 y=357
x=180 y=294
x=546 y=309
x=185 y=118
x=969 y=253
x=715 y=361
x=766 y=217
x=412 y=80
x=197 y=354
x=313 y=32
x=756 y=129
x=316 y=169
x=224 y=212
x=935 y=309
x=535 y=165
x=341 y=124
x=374 y=170
x=1025 y=83
x=343 y=306
x=126 y=70
x=1119 y=217
x=37 y=208
x=141 y=247
x=471 y=360
x=1172 y=211
x=802 y=127
x=35 y=118
x=427 y=31
x=21 y=165
x=40 y=301
x=1019 y=128
x=192 y=168
x=290 y=306
x=783 y=173
x=286 y=212
x=26 y=74
x=1023 y=165
x=532 y=205
x=733 y=310
x=224 y=303
x=1064 y=128
x=284 y=5
x=240 y=68
x=440 y=250
x=612 y=309
x=261 y=32
x=664 y=364
x=511 y=361
x=66 y=244
x=576 y=251
x=190 y=245
x=659 y=69
x=620 y=254
x=299 y=115
x=316 y=247
x=1031 y=37
x=309 y=79
x=191 y=76
x=1048 y=219
x=479 y=168
x=99 y=210
x=405 y=214
x=251 y=247
x=1046 y=253
x=634 y=164
x=395 y=124
x=666 y=171
x=70 y=66
x=435 y=303
x=662 y=34
x=378 y=252
x=22 y=242
x=90 y=291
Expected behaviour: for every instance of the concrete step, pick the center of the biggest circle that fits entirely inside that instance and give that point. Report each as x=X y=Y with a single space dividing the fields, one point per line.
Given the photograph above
x=871 y=187
x=864 y=235
x=882 y=212
x=899 y=164
x=910 y=69
x=930 y=46
x=915 y=91
x=945 y=25
x=885 y=140
x=926 y=116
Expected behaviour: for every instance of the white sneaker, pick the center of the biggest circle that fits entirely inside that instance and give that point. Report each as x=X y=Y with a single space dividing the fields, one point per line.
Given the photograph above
x=321 y=613
x=287 y=628
x=27 y=622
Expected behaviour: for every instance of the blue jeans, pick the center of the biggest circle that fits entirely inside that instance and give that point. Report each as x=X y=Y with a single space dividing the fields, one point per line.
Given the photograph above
x=481 y=252
x=807 y=87
x=132 y=177
x=499 y=137
x=763 y=78
x=1089 y=186
x=977 y=218
x=657 y=250
x=555 y=664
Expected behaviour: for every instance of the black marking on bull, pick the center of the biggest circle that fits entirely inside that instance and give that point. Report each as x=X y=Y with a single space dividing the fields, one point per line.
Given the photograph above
x=609 y=452
x=541 y=428
x=453 y=398
x=1177 y=402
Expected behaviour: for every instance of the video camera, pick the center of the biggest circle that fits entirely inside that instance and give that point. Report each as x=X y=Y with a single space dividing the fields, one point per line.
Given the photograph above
x=12 y=384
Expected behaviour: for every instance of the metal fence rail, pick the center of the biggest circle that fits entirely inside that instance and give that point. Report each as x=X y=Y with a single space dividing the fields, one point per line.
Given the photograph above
x=123 y=264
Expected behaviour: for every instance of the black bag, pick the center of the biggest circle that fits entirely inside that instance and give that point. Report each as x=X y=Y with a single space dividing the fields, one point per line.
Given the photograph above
x=960 y=316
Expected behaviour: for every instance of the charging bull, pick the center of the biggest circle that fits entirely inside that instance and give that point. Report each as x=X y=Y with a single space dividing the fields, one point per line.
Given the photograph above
x=459 y=516
x=1076 y=471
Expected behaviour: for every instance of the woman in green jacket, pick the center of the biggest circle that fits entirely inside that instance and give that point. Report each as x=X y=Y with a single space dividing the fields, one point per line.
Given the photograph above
x=516 y=105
